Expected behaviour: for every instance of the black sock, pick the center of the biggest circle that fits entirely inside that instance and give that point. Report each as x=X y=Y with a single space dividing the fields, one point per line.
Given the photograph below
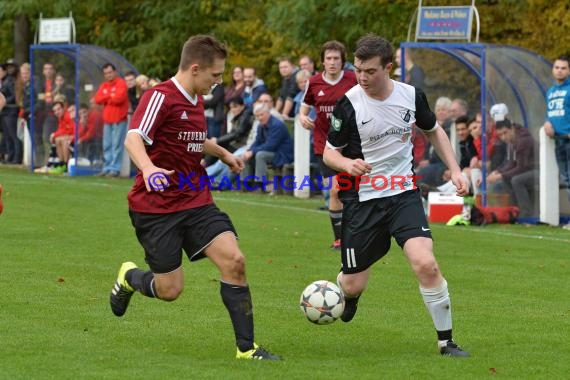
x=141 y=281
x=237 y=300
x=336 y=222
x=444 y=335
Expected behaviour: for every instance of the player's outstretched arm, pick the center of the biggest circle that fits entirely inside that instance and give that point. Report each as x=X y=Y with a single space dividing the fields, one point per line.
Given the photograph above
x=137 y=152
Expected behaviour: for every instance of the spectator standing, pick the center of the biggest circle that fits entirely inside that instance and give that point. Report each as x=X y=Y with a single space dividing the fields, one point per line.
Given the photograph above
x=214 y=111
x=557 y=125
x=113 y=96
x=307 y=63
x=414 y=74
x=131 y=81
x=236 y=87
x=45 y=122
x=288 y=88
x=23 y=89
x=322 y=92
x=64 y=89
x=12 y=146
x=253 y=87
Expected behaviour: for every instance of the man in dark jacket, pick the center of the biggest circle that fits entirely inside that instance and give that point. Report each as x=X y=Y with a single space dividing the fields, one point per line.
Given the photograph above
x=517 y=172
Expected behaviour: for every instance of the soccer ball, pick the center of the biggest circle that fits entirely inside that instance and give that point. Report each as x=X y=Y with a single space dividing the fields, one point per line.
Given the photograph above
x=322 y=302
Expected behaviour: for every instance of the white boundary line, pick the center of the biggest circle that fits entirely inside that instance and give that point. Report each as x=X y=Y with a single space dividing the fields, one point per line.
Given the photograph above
x=515 y=234
x=298 y=209
x=473 y=229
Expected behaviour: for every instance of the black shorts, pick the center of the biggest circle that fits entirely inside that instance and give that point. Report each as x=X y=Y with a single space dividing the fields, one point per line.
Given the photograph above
x=164 y=236
x=367 y=227
x=325 y=170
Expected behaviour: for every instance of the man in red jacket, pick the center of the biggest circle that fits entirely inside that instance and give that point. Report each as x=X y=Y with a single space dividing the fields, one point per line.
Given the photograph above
x=113 y=96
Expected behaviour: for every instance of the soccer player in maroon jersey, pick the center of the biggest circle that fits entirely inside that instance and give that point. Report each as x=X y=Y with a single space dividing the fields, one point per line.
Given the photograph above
x=170 y=209
x=322 y=92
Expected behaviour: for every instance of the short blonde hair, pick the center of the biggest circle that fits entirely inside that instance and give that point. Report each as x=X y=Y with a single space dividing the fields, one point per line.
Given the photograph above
x=302 y=74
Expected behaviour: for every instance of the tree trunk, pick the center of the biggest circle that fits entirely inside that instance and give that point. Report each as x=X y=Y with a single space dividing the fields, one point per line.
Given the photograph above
x=21 y=38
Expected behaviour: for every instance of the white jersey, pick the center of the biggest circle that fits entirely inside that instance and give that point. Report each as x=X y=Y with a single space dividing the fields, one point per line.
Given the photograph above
x=379 y=132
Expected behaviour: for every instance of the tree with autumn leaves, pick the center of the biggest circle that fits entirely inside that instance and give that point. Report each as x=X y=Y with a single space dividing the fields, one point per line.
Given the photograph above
x=149 y=33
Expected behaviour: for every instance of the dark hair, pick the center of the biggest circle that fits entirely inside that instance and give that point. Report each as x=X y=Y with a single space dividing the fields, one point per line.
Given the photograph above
x=234 y=69
x=109 y=64
x=371 y=45
x=237 y=100
x=563 y=57
x=471 y=120
x=463 y=119
x=203 y=50
x=336 y=46
x=130 y=73
x=506 y=123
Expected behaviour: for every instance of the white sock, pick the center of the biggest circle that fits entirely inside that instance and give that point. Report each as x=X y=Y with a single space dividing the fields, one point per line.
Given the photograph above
x=439 y=306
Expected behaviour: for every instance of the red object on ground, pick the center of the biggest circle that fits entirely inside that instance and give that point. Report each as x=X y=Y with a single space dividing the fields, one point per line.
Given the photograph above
x=1 y=203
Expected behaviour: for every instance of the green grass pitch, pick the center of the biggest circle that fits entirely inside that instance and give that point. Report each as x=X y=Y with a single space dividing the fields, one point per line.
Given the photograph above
x=63 y=239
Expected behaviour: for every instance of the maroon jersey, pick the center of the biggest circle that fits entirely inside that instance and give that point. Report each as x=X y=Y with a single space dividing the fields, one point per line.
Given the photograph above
x=173 y=127
x=323 y=94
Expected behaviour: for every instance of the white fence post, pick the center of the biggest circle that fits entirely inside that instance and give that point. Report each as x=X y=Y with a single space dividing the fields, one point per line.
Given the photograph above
x=302 y=168
x=549 y=193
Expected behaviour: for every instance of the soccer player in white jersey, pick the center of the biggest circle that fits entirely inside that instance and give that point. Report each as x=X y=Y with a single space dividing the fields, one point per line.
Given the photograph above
x=369 y=144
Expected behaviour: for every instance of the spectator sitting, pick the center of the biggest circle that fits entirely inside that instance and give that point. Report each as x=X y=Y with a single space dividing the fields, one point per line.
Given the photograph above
x=220 y=172
x=517 y=173
x=421 y=147
x=238 y=128
x=142 y=84
x=431 y=170
x=301 y=79
x=63 y=136
x=90 y=132
x=467 y=154
x=273 y=145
